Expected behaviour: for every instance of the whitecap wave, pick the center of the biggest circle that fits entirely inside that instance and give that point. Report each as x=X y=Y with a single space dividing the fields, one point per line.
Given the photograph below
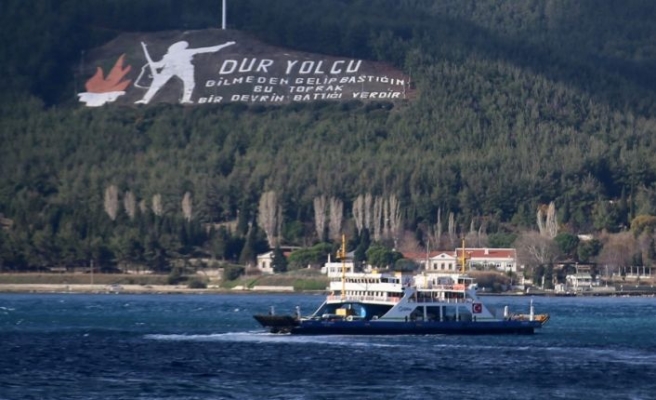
x=266 y=337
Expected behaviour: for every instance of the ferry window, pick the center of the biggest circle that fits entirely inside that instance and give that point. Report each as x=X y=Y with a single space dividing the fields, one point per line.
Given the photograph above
x=449 y=313
x=464 y=313
x=433 y=313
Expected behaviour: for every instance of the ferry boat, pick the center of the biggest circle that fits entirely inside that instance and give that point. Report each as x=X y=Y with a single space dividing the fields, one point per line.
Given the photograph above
x=398 y=303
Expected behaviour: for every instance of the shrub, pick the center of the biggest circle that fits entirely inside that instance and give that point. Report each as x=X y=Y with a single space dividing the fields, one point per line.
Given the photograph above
x=175 y=277
x=252 y=272
x=232 y=272
x=197 y=283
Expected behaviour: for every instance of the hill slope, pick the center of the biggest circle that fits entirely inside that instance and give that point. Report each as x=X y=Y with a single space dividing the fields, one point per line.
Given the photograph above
x=520 y=104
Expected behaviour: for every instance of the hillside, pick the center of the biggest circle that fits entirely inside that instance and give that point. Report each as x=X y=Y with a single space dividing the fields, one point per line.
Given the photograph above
x=518 y=104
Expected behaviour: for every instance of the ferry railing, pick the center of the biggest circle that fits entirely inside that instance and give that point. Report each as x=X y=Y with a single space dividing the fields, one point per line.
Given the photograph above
x=457 y=287
x=365 y=298
x=438 y=300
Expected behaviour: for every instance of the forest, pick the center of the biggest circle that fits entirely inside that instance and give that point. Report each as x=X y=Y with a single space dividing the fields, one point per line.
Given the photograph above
x=524 y=109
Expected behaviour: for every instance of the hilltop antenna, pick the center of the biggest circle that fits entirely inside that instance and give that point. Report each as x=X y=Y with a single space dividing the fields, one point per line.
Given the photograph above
x=223 y=16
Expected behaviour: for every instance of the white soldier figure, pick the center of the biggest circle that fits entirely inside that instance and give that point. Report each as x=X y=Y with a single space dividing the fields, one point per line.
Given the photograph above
x=176 y=62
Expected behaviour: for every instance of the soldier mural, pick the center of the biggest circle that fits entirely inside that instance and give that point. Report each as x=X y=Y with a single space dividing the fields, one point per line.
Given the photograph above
x=176 y=62
x=239 y=70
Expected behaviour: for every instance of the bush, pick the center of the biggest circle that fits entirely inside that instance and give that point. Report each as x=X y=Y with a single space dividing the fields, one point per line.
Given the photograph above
x=175 y=277
x=232 y=272
x=252 y=272
x=490 y=280
x=197 y=283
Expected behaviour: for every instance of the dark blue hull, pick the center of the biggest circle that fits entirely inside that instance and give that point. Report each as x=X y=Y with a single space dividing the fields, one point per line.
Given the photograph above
x=413 y=328
x=373 y=327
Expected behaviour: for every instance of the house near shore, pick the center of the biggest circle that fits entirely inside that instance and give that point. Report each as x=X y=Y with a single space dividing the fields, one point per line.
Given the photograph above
x=579 y=281
x=485 y=259
x=437 y=261
x=265 y=260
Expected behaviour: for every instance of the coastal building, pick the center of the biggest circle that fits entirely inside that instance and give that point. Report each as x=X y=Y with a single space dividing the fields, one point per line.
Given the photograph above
x=504 y=260
x=578 y=281
x=265 y=260
x=440 y=262
x=475 y=258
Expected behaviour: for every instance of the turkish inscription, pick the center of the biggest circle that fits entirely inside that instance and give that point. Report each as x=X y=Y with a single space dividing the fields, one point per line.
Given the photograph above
x=221 y=72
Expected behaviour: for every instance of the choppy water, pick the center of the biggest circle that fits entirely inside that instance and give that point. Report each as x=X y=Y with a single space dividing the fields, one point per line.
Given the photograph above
x=209 y=347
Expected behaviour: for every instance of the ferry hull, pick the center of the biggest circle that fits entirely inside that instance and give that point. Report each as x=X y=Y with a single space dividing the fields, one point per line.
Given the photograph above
x=323 y=327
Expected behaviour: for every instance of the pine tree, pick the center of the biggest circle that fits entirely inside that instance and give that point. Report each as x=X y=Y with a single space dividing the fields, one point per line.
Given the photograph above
x=279 y=261
x=248 y=255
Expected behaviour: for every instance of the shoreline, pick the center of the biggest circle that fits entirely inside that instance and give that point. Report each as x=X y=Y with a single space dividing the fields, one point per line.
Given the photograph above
x=101 y=289
x=44 y=288
x=132 y=288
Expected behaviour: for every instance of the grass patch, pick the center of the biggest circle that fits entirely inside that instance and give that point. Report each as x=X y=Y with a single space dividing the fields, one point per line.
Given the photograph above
x=197 y=283
x=301 y=281
x=82 y=279
x=310 y=284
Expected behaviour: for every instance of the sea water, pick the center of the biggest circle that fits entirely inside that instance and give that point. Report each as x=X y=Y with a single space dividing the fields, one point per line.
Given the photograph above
x=73 y=346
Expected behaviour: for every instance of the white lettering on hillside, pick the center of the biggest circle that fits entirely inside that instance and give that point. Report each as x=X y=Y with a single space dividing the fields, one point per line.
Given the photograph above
x=292 y=67
x=268 y=80
x=253 y=79
x=272 y=89
x=376 y=95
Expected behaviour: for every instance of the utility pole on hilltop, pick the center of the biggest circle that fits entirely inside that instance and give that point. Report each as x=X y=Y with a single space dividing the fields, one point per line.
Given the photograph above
x=223 y=16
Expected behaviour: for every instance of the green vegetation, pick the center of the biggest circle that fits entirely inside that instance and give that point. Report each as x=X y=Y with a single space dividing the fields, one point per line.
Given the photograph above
x=301 y=280
x=196 y=283
x=313 y=256
x=490 y=281
x=380 y=256
x=82 y=279
x=519 y=103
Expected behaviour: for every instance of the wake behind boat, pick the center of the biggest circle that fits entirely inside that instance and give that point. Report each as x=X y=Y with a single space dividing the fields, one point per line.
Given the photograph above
x=400 y=303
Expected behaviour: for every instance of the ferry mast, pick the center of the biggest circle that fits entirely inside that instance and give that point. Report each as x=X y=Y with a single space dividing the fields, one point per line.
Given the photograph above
x=463 y=258
x=341 y=253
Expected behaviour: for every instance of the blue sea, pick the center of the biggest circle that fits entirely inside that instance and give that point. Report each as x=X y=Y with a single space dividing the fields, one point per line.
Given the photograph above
x=73 y=346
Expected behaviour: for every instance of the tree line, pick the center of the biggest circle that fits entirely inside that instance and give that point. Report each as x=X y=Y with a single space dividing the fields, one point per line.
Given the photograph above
x=519 y=104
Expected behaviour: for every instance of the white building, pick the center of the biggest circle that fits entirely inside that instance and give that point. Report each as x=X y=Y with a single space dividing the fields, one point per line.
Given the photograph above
x=443 y=262
x=265 y=262
x=475 y=258
x=490 y=259
x=579 y=281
